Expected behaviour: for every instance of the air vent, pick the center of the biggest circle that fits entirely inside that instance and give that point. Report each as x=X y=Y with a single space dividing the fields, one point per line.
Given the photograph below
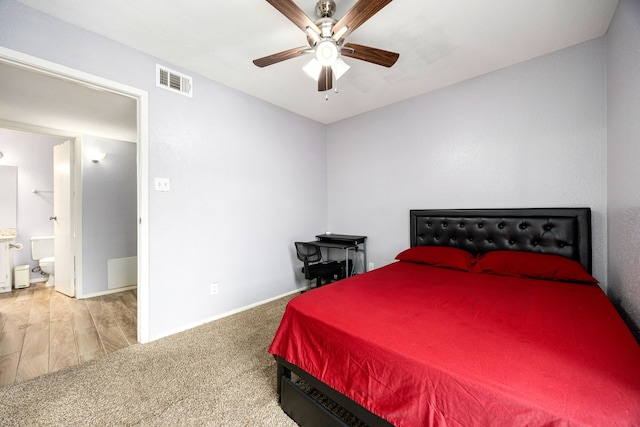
x=174 y=81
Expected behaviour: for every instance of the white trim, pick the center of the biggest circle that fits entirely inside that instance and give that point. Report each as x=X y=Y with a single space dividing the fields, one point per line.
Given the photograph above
x=66 y=73
x=76 y=206
x=99 y=83
x=228 y=313
x=27 y=127
x=144 y=301
x=109 y=292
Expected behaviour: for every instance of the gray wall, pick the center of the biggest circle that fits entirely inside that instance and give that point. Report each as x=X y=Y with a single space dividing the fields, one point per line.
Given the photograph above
x=623 y=90
x=530 y=135
x=247 y=178
x=109 y=209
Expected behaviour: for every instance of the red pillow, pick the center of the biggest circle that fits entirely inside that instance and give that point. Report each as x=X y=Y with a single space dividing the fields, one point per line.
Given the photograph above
x=439 y=256
x=533 y=265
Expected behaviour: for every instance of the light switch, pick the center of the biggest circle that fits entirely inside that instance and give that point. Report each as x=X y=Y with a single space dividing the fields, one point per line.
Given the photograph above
x=162 y=184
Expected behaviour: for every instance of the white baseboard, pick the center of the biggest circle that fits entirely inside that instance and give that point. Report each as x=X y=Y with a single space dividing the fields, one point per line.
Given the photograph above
x=228 y=313
x=110 y=291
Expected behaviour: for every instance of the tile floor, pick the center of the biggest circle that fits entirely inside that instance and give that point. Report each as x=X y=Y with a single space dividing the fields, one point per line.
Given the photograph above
x=42 y=330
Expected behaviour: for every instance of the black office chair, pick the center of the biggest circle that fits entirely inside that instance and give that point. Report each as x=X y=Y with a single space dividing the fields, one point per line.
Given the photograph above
x=314 y=268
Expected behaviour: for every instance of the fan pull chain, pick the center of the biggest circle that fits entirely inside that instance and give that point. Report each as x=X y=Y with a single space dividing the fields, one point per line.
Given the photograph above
x=335 y=89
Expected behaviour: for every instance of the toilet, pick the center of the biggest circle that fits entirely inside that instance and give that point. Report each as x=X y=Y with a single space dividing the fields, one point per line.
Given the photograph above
x=43 y=252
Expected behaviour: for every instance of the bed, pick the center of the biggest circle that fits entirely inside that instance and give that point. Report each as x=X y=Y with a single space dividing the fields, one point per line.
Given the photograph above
x=490 y=317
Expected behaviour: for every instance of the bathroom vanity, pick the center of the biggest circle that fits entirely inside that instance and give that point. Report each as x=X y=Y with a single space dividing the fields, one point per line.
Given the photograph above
x=8 y=221
x=6 y=259
x=5 y=268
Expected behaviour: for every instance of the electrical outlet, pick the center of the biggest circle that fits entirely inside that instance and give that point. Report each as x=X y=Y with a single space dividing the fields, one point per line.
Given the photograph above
x=371 y=266
x=214 y=288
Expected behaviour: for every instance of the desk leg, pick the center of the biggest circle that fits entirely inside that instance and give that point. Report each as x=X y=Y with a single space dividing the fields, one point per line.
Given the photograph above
x=364 y=249
x=347 y=272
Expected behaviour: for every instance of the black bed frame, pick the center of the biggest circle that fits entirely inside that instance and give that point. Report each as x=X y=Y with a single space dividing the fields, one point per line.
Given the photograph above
x=560 y=231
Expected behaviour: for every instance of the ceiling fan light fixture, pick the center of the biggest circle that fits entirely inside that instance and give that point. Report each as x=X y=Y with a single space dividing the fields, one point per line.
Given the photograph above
x=313 y=69
x=326 y=39
x=341 y=32
x=339 y=68
x=312 y=35
x=326 y=53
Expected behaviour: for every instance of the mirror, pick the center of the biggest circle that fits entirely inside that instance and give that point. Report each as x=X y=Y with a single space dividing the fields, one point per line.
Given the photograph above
x=8 y=196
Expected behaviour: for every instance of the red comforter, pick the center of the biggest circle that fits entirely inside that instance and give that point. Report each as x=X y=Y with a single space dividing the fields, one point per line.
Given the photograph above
x=420 y=345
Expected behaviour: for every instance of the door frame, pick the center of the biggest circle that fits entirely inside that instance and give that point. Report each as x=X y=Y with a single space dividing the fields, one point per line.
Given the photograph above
x=33 y=64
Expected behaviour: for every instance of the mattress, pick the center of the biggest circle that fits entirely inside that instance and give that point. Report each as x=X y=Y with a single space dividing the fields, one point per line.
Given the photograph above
x=420 y=345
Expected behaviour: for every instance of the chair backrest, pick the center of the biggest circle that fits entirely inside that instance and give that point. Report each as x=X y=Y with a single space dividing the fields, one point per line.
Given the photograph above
x=308 y=252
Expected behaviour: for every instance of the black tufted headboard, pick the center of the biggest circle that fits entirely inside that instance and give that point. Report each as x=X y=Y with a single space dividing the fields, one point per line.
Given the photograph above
x=558 y=231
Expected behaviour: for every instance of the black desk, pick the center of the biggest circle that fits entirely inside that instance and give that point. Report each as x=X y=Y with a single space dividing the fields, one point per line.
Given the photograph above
x=345 y=242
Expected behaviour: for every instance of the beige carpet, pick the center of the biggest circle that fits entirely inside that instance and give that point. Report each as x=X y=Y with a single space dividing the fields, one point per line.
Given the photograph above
x=218 y=374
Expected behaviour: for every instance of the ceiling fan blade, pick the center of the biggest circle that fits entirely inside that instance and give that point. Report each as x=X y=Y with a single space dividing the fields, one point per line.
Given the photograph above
x=281 y=56
x=325 y=81
x=358 y=15
x=370 y=54
x=296 y=15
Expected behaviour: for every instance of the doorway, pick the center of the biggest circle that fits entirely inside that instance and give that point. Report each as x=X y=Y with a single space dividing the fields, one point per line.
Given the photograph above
x=90 y=86
x=95 y=242
x=44 y=330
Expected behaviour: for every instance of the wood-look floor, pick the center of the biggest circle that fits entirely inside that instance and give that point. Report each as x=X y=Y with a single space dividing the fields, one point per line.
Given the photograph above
x=42 y=330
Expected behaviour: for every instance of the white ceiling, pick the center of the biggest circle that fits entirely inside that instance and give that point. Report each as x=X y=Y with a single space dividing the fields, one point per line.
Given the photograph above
x=440 y=42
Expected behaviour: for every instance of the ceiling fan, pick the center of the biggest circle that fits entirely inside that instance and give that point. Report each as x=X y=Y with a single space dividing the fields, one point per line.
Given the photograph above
x=326 y=37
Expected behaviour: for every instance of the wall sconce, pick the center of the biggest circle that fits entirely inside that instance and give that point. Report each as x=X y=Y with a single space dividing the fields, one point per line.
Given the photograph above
x=96 y=156
x=1 y=155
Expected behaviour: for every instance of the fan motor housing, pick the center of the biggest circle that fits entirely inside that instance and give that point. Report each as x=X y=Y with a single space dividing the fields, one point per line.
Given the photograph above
x=325 y=8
